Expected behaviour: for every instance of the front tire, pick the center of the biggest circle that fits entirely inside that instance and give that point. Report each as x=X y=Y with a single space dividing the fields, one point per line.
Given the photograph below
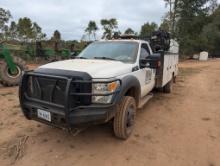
x=125 y=118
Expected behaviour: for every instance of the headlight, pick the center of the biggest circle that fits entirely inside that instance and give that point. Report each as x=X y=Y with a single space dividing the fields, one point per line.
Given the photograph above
x=104 y=88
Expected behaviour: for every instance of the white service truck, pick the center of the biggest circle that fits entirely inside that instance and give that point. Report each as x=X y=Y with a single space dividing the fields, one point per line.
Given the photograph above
x=108 y=81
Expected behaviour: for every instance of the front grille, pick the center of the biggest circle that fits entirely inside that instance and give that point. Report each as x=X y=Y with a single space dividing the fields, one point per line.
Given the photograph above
x=53 y=90
x=47 y=89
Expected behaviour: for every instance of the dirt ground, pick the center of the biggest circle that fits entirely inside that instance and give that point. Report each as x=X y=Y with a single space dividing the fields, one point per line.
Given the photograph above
x=178 y=129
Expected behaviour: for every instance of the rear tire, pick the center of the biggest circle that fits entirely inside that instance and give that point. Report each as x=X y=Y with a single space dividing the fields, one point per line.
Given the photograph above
x=9 y=79
x=174 y=79
x=168 y=87
x=125 y=118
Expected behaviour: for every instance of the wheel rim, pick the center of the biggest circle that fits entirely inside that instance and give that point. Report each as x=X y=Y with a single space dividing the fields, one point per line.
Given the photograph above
x=14 y=75
x=130 y=118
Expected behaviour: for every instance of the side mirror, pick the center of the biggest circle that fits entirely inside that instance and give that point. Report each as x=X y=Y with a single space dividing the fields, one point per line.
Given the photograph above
x=153 y=61
x=143 y=63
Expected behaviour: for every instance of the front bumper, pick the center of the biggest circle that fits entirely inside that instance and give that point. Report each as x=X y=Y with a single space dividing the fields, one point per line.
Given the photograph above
x=65 y=116
x=96 y=114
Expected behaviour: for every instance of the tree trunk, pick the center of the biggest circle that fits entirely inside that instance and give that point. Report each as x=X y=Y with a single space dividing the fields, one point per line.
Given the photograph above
x=174 y=18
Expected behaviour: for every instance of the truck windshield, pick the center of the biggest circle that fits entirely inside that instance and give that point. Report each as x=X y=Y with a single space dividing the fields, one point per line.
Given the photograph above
x=120 y=51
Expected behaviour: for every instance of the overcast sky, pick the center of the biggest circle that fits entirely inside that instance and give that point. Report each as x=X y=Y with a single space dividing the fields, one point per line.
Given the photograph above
x=72 y=17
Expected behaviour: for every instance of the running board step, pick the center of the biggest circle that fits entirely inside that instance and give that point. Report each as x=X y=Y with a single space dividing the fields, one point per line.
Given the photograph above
x=144 y=100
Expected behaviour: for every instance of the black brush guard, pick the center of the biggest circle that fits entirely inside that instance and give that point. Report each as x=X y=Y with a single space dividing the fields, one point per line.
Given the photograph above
x=76 y=107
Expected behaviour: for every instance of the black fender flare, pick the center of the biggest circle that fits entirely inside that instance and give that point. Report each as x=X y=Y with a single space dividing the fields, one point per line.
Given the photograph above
x=127 y=83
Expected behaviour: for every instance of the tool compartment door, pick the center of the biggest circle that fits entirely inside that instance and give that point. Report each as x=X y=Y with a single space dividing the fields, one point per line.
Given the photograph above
x=170 y=67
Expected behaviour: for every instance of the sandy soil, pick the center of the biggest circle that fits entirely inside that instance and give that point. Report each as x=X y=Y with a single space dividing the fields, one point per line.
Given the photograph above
x=178 y=129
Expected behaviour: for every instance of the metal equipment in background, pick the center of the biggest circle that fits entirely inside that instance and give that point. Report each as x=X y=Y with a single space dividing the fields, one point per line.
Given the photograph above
x=159 y=40
x=11 y=67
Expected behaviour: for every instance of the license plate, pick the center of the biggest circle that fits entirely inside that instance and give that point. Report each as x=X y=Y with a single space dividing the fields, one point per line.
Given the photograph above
x=44 y=115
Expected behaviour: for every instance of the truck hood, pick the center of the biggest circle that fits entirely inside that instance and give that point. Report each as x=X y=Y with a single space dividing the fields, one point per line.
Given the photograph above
x=95 y=68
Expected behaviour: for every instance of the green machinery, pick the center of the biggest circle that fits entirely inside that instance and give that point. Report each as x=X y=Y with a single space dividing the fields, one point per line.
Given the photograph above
x=11 y=67
x=52 y=53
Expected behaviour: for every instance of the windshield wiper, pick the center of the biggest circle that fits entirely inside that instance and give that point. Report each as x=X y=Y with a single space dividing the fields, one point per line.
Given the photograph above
x=105 y=58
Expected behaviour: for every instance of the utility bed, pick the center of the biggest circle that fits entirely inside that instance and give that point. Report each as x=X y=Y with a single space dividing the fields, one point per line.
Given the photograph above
x=169 y=65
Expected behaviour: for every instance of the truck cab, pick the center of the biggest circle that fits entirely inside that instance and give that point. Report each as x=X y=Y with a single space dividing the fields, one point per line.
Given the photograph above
x=108 y=81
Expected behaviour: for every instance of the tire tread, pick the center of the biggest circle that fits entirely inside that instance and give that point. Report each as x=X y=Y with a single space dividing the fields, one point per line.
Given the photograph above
x=119 y=120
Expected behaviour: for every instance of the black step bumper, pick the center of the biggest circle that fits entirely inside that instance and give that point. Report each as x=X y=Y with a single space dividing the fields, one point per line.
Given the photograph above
x=80 y=116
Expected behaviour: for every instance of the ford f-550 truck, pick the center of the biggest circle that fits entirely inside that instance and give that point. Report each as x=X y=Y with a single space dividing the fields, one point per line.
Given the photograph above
x=108 y=81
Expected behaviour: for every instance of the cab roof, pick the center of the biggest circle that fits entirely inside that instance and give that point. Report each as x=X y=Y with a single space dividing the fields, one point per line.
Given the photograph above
x=124 y=40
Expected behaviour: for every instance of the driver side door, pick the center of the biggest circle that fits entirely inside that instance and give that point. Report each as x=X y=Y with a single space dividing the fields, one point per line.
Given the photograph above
x=146 y=75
